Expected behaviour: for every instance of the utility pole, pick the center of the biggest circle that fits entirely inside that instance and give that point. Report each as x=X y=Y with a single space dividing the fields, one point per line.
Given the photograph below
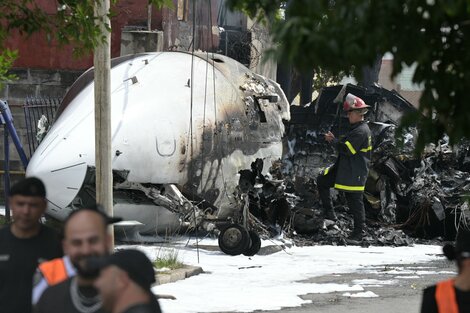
x=149 y=17
x=102 y=63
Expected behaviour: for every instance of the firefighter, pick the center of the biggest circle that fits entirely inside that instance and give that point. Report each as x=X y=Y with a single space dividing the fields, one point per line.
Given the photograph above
x=453 y=295
x=349 y=173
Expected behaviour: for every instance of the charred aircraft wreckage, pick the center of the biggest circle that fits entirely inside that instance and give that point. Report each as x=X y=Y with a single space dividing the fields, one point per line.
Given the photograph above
x=204 y=149
x=405 y=195
x=183 y=127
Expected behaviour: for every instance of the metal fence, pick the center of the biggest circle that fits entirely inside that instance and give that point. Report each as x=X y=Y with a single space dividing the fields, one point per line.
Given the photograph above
x=39 y=113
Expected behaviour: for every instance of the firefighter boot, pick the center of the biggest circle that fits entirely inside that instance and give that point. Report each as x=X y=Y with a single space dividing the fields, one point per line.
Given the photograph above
x=355 y=238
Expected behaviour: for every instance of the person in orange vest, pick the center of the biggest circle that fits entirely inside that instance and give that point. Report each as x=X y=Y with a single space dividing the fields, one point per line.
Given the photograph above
x=63 y=285
x=453 y=295
x=51 y=273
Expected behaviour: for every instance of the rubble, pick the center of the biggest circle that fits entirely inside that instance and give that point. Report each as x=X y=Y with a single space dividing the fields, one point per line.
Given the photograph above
x=408 y=198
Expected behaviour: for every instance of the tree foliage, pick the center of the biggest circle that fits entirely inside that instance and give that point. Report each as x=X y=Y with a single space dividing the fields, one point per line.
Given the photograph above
x=335 y=34
x=323 y=78
x=71 y=22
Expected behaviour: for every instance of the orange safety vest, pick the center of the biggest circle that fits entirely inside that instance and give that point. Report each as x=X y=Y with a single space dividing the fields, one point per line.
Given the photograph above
x=445 y=297
x=54 y=271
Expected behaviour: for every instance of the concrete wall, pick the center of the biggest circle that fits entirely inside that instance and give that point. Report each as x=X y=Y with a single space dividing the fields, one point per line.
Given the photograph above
x=141 y=41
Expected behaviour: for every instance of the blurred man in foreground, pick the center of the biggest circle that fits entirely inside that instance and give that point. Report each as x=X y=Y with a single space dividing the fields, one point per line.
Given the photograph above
x=453 y=295
x=125 y=281
x=24 y=244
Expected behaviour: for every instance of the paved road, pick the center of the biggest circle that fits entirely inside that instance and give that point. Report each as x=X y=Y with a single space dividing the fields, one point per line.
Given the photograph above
x=402 y=296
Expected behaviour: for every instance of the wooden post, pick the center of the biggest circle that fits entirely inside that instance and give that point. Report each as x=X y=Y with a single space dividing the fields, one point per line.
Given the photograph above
x=102 y=63
x=149 y=17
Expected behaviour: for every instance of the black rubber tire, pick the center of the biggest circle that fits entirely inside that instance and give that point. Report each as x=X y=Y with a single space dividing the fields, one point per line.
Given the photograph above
x=234 y=239
x=255 y=244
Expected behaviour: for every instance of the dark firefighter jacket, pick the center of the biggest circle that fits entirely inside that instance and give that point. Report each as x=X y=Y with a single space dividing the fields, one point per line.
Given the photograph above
x=352 y=165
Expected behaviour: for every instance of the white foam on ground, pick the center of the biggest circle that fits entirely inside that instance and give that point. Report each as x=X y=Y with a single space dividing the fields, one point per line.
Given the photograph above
x=270 y=282
x=373 y=282
x=367 y=294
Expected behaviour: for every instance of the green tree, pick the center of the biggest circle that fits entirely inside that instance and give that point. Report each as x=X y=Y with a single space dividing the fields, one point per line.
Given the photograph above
x=335 y=34
x=73 y=22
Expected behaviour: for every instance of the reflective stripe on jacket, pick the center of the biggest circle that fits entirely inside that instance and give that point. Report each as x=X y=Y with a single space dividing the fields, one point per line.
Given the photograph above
x=445 y=297
x=353 y=159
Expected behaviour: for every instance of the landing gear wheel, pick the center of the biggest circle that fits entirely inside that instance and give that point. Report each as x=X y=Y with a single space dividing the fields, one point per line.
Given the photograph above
x=255 y=244
x=234 y=240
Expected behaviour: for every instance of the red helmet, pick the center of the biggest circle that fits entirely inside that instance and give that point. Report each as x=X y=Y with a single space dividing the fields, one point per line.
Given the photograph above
x=353 y=102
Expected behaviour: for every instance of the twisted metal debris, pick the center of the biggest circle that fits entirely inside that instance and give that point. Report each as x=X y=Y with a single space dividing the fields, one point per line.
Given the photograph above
x=408 y=198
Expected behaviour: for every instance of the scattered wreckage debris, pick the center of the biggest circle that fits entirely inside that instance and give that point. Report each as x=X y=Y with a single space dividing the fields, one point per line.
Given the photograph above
x=408 y=199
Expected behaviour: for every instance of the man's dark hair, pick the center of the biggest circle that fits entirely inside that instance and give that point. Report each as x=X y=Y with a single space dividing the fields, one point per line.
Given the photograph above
x=98 y=209
x=30 y=187
x=461 y=250
x=134 y=262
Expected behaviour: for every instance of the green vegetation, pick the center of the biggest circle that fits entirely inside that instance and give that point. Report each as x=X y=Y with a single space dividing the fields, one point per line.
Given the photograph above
x=336 y=35
x=169 y=259
x=7 y=57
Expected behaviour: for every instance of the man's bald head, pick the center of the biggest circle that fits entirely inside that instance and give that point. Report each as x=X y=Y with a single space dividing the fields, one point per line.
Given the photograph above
x=85 y=235
x=93 y=209
x=82 y=220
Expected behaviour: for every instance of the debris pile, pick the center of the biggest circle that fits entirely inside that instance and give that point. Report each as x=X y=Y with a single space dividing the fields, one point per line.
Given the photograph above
x=408 y=198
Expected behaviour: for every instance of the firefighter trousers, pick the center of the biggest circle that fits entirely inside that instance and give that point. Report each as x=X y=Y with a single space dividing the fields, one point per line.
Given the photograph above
x=354 y=199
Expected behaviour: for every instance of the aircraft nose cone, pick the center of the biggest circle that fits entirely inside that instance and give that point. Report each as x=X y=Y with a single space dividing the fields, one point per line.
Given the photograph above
x=60 y=170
